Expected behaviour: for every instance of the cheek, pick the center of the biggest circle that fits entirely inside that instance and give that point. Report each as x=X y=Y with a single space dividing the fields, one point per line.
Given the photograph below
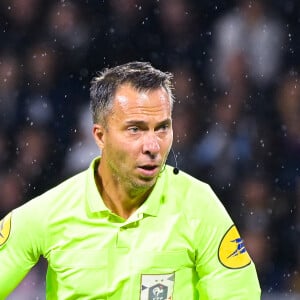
x=168 y=142
x=121 y=151
x=171 y=138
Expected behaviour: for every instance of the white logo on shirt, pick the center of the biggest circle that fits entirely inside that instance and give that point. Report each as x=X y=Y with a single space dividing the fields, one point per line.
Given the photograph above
x=157 y=286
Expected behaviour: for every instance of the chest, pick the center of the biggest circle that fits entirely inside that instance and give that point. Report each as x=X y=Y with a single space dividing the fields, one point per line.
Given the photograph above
x=111 y=259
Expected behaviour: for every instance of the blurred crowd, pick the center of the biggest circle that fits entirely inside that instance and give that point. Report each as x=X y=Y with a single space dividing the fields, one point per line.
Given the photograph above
x=236 y=119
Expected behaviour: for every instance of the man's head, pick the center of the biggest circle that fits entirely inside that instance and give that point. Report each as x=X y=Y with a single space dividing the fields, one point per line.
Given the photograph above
x=132 y=111
x=140 y=75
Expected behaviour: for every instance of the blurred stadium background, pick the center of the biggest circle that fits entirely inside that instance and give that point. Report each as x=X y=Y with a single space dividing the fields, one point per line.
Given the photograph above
x=237 y=117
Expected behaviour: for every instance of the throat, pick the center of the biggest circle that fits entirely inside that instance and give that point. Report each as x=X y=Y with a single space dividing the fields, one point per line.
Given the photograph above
x=117 y=199
x=122 y=206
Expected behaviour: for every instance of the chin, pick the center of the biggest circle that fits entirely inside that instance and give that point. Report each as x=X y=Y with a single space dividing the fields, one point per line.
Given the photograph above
x=145 y=183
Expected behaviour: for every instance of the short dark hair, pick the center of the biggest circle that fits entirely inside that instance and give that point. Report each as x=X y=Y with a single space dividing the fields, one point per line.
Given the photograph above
x=140 y=75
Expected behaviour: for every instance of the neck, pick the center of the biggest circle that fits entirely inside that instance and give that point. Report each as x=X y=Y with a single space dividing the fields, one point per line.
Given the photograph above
x=118 y=198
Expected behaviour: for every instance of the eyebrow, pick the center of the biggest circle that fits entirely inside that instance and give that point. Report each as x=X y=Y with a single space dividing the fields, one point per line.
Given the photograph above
x=143 y=123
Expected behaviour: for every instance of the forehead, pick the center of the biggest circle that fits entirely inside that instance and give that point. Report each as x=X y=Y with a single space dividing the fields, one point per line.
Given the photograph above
x=129 y=100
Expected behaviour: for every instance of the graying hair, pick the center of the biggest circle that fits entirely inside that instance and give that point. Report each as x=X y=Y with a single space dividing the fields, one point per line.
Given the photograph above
x=140 y=75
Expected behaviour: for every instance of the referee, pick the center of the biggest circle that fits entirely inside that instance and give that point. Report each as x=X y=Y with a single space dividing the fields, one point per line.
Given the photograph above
x=129 y=227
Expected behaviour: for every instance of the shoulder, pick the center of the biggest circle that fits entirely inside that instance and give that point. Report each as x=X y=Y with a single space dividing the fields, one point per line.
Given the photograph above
x=35 y=218
x=183 y=184
x=57 y=198
x=190 y=193
x=195 y=201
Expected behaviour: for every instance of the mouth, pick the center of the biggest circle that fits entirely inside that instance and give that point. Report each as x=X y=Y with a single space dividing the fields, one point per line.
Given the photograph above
x=148 y=170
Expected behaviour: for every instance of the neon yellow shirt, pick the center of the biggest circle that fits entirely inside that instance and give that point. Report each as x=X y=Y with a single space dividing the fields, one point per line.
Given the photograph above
x=180 y=244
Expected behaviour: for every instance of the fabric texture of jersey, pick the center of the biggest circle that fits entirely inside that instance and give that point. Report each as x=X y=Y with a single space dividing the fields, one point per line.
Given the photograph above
x=173 y=247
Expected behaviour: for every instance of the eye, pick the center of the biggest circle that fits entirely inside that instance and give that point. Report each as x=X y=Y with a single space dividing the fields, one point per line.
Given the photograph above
x=133 y=129
x=163 y=127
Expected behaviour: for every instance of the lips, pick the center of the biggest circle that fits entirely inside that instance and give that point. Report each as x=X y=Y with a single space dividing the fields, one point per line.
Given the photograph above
x=149 y=167
x=148 y=170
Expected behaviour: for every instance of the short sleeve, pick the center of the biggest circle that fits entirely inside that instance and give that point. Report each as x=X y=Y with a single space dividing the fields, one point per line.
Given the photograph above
x=19 y=244
x=223 y=264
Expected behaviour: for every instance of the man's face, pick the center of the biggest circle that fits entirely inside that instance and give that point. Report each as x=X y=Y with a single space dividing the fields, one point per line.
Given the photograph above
x=138 y=136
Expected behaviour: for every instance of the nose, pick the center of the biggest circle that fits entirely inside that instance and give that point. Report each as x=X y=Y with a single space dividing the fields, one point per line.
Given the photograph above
x=151 y=145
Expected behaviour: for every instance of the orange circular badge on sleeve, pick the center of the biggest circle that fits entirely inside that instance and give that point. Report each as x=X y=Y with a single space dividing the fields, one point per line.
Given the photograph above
x=5 y=226
x=232 y=252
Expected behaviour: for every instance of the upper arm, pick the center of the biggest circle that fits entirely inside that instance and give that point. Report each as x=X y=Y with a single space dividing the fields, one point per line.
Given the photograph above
x=224 y=267
x=17 y=250
x=226 y=270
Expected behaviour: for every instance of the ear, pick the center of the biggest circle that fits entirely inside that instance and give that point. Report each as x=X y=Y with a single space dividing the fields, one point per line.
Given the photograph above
x=98 y=133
